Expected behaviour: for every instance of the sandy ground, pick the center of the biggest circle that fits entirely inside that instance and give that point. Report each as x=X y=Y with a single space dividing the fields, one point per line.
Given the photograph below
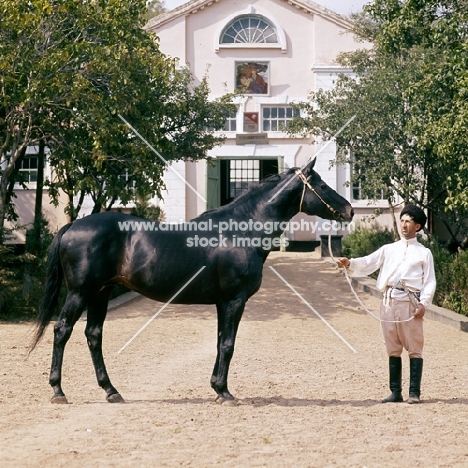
x=306 y=399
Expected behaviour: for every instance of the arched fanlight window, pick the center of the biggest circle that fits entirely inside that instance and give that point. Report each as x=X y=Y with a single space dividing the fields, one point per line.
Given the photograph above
x=249 y=29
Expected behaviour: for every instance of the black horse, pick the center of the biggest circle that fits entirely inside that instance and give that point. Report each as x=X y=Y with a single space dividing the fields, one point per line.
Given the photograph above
x=230 y=243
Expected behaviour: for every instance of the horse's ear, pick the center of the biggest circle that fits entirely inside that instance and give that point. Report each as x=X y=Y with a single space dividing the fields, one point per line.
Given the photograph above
x=310 y=165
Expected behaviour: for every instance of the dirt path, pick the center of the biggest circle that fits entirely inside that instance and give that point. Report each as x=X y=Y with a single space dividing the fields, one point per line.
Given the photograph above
x=306 y=399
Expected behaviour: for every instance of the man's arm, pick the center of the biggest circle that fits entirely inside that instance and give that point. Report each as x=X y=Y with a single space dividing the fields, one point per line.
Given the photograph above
x=363 y=266
x=429 y=281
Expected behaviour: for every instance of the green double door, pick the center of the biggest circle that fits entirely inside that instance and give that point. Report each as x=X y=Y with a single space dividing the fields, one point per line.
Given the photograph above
x=228 y=178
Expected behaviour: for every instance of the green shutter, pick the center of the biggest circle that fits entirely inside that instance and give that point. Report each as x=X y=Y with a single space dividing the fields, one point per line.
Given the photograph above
x=280 y=164
x=213 y=195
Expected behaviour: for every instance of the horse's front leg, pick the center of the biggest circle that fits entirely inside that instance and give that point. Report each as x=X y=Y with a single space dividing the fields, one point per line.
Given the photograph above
x=97 y=311
x=229 y=316
x=71 y=311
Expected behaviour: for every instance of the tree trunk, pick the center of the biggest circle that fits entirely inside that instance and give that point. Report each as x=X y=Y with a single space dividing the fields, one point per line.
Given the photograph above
x=2 y=211
x=396 y=234
x=7 y=183
x=34 y=242
x=7 y=178
x=39 y=191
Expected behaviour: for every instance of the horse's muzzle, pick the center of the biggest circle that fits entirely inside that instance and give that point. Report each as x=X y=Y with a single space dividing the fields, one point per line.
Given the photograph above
x=348 y=216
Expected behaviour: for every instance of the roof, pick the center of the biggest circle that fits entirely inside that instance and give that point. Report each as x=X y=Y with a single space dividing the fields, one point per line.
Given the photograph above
x=195 y=6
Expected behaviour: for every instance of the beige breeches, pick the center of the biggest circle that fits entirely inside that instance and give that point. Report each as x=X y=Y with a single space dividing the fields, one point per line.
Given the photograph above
x=408 y=335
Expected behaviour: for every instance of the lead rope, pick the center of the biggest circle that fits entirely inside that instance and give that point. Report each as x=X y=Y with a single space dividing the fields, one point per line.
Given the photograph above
x=355 y=294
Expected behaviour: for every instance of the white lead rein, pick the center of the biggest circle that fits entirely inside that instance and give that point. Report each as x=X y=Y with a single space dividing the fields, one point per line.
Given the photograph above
x=355 y=294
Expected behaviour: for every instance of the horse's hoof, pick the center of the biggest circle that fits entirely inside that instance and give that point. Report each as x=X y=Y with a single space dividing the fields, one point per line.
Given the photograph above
x=226 y=401
x=115 y=398
x=59 y=399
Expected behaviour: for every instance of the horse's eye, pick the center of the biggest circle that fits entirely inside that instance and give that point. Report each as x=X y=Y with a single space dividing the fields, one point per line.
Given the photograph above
x=323 y=185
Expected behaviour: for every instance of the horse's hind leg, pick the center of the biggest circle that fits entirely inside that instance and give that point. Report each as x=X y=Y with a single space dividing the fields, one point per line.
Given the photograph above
x=97 y=310
x=71 y=311
x=229 y=316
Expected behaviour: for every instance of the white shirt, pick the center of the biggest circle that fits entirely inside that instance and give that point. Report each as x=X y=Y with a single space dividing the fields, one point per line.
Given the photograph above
x=404 y=260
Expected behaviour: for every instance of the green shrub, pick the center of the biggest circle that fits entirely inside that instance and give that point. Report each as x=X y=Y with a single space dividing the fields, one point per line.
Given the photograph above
x=456 y=285
x=7 y=279
x=144 y=209
x=442 y=264
x=452 y=277
x=22 y=274
x=365 y=239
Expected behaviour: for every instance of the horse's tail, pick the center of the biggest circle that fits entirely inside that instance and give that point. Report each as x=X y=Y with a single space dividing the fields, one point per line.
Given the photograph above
x=54 y=277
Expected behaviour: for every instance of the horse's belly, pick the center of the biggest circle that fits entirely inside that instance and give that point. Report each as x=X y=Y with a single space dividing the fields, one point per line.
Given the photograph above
x=190 y=287
x=202 y=285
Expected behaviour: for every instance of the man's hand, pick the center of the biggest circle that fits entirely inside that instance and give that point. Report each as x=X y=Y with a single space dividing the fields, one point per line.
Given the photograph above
x=420 y=311
x=343 y=262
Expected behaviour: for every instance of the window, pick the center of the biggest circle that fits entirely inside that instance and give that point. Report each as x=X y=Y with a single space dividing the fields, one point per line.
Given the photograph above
x=231 y=123
x=242 y=175
x=249 y=29
x=27 y=168
x=274 y=119
x=128 y=180
x=238 y=175
x=359 y=191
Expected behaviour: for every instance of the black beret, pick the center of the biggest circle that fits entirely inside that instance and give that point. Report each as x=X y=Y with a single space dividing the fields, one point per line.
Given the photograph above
x=415 y=213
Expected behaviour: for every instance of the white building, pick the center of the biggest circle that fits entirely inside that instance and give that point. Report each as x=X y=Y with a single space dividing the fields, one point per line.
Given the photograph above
x=276 y=52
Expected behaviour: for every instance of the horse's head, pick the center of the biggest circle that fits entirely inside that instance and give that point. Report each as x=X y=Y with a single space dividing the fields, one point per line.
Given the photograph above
x=319 y=199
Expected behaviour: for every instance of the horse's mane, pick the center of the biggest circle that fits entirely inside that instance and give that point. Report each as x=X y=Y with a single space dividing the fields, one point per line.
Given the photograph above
x=252 y=192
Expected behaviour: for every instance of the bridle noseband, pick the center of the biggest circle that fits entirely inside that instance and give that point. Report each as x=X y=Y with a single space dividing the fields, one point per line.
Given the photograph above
x=305 y=181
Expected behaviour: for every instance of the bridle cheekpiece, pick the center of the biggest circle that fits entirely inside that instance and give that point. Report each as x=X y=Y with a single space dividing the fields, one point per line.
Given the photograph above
x=306 y=184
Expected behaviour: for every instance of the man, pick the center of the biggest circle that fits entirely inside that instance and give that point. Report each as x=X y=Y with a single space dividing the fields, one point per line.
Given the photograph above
x=408 y=283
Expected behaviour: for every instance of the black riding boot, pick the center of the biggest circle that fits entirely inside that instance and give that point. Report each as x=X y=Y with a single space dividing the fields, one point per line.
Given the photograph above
x=394 y=364
x=416 y=367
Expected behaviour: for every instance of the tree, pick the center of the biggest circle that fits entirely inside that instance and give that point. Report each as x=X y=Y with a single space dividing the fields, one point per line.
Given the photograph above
x=393 y=138
x=16 y=117
x=68 y=69
x=154 y=8
x=96 y=154
x=383 y=154
x=439 y=107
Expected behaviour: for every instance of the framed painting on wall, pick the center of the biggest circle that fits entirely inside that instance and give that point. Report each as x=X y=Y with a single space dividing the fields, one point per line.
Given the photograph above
x=252 y=77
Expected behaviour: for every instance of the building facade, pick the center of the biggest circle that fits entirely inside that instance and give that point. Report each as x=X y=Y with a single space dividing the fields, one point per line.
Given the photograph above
x=274 y=53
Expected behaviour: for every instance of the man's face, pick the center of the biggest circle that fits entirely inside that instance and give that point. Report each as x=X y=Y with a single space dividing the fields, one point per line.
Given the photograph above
x=408 y=227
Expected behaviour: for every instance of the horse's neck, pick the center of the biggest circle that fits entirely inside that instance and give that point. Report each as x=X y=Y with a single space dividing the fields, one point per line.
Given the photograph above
x=275 y=207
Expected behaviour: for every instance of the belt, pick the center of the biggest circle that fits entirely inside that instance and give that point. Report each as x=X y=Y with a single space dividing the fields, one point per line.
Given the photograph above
x=413 y=295
x=388 y=291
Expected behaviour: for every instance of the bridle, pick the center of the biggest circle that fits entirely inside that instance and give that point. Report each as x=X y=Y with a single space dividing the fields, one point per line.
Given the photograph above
x=305 y=181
